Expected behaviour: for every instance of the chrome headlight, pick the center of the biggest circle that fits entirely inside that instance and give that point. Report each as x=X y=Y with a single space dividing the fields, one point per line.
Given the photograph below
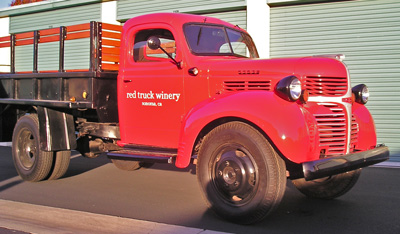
x=361 y=93
x=289 y=88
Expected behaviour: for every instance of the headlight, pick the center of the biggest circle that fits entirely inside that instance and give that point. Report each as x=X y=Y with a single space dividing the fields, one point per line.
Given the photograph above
x=289 y=88
x=361 y=93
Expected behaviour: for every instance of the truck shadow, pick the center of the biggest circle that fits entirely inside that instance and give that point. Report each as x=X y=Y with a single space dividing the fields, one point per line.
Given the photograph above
x=79 y=164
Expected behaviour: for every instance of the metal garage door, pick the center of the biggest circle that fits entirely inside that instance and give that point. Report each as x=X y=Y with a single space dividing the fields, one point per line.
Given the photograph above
x=76 y=51
x=233 y=17
x=127 y=9
x=367 y=32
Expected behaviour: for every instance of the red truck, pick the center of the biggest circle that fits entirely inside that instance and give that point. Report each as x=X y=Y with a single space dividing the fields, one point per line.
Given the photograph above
x=184 y=89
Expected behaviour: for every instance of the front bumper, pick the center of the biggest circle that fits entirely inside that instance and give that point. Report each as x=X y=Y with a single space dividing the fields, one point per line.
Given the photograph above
x=340 y=164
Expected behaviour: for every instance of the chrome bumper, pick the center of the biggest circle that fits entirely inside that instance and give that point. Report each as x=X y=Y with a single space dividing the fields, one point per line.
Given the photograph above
x=336 y=165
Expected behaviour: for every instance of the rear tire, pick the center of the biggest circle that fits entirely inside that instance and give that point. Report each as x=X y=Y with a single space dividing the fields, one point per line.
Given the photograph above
x=61 y=162
x=31 y=163
x=329 y=187
x=241 y=176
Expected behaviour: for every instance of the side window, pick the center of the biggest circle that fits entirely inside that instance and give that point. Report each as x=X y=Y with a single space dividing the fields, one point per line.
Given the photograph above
x=141 y=53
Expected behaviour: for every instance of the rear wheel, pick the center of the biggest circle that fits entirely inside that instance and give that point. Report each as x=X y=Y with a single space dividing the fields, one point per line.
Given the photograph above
x=61 y=162
x=31 y=163
x=241 y=176
x=328 y=187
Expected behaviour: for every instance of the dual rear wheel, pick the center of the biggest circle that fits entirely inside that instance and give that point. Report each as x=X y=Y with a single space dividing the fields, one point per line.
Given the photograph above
x=31 y=163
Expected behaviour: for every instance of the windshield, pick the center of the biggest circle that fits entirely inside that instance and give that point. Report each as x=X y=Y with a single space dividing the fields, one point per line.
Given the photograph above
x=206 y=39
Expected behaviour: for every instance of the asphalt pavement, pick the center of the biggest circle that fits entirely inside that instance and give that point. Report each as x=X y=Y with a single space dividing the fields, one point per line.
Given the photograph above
x=96 y=197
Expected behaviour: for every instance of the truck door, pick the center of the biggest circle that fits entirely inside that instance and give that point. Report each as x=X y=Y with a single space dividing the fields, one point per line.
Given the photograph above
x=151 y=90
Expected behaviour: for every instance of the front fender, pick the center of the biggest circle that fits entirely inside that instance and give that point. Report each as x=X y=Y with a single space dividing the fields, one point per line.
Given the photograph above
x=366 y=138
x=282 y=121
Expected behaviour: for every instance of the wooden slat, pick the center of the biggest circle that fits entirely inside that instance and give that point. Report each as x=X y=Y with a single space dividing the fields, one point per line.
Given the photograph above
x=77 y=70
x=109 y=34
x=5 y=44
x=49 y=39
x=24 y=42
x=108 y=66
x=23 y=35
x=110 y=58
x=71 y=36
x=112 y=27
x=78 y=27
x=6 y=38
x=50 y=31
x=111 y=43
x=110 y=50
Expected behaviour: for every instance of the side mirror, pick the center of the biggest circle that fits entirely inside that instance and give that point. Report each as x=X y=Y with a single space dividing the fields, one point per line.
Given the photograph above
x=153 y=43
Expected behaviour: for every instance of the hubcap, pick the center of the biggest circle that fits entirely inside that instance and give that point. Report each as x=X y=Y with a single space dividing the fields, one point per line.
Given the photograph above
x=234 y=175
x=26 y=149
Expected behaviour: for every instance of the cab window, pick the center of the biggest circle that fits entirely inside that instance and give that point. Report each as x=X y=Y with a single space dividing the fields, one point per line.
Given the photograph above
x=141 y=52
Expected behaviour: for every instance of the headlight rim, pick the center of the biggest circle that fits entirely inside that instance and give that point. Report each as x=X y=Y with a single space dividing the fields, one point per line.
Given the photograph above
x=284 y=88
x=361 y=93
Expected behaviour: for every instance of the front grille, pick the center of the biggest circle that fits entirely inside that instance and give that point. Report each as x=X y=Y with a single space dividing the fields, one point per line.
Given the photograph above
x=326 y=86
x=354 y=133
x=332 y=130
x=232 y=86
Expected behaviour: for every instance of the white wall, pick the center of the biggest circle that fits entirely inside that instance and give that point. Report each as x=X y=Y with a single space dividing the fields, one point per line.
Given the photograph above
x=258 y=25
x=109 y=12
x=4 y=52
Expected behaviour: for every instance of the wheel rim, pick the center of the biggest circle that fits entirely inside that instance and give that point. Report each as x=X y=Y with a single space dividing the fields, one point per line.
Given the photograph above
x=234 y=175
x=26 y=149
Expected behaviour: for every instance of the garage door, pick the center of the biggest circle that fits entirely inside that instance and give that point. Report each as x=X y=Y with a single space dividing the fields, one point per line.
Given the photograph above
x=367 y=32
x=76 y=51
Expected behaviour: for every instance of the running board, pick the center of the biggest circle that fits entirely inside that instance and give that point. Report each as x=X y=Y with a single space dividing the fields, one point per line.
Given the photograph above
x=161 y=155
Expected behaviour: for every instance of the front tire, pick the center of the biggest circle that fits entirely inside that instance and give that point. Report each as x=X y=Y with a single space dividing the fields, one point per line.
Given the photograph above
x=31 y=163
x=241 y=176
x=329 y=187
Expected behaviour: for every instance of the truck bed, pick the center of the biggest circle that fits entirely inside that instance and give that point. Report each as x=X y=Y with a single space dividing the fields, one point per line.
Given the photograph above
x=94 y=87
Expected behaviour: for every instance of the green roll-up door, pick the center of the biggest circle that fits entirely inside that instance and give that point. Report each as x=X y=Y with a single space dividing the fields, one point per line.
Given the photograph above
x=76 y=51
x=233 y=17
x=127 y=9
x=367 y=32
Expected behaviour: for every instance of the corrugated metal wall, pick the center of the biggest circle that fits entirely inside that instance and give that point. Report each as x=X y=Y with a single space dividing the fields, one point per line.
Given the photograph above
x=127 y=9
x=368 y=33
x=233 y=11
x=77 y=51
x=233 y=17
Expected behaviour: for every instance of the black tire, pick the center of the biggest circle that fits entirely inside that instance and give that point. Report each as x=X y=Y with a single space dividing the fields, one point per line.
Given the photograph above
x=329 y=187
x=31 y=163
x=61 y=162
x=241 y=176
x=128 y=165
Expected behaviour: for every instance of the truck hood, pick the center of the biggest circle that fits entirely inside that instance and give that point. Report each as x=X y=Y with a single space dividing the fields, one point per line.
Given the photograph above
x=264 y=74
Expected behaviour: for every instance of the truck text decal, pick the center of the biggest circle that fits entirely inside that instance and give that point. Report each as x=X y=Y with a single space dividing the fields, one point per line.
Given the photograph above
x=153 y=96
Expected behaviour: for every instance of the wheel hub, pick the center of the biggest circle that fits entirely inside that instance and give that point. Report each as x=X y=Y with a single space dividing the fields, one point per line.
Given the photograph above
x=27 y=149
x=234 y=175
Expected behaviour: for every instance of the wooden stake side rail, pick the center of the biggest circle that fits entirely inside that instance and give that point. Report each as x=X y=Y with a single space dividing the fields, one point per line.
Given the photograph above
x=104 y=45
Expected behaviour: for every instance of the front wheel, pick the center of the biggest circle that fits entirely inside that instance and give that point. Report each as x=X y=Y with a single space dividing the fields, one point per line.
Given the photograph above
x=328 y=187
x=241 y=176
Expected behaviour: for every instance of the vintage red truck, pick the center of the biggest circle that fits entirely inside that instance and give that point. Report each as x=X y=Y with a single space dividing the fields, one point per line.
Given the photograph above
x=183 y=89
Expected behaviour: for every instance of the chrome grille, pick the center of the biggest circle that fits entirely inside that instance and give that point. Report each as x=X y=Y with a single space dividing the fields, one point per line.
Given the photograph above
x=332 y=130
x=247 y=85
x=326 y=86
